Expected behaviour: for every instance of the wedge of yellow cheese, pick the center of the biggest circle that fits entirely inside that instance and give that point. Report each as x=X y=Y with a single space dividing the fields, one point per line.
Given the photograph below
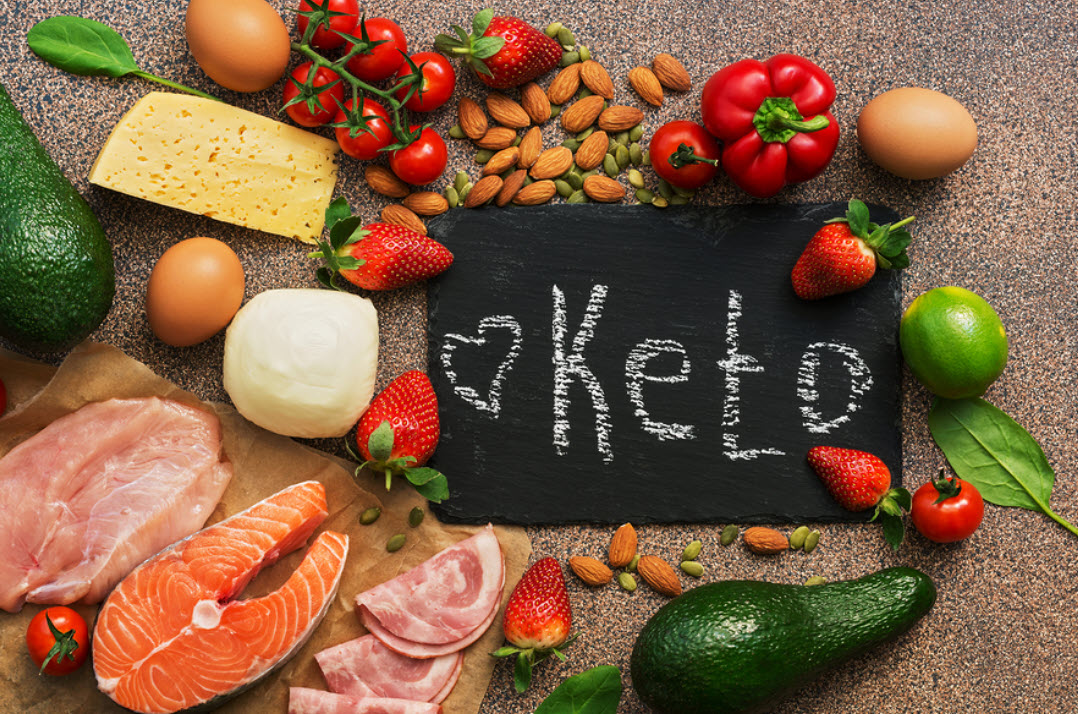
x=213 y=159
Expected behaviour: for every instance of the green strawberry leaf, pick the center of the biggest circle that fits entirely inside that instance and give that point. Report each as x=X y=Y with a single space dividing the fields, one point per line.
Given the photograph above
x=436 y=490
x=327 y=278
x=900 y=261
x=522 y=672
x=883 y=262
x=505 y=651
x=894 y=530
x=894 y=243
x=346 y=232
x=857 y=217
x=337 y=210
x=903 y=497
x=380 y=442
x=486 y=47
x=421 y=475
x=482 y=21
x=446 y=43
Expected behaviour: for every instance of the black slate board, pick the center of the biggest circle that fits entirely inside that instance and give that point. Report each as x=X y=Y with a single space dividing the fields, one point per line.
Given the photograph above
x=700 y=388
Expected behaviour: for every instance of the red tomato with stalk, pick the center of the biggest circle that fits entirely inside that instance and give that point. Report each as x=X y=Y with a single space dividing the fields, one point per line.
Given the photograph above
x=439 y=80
x=315 y=105
x=335 y=16
x=57 y=640
x=947 y=509
x=369 y=132
x=685 y=154
x=383 y=59
x=422 y=161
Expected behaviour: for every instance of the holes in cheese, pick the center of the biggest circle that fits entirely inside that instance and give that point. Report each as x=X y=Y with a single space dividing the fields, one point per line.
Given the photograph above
x=216 y=160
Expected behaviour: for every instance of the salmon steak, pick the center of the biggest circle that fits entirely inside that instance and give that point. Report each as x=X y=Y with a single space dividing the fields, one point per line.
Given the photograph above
x=172 y=637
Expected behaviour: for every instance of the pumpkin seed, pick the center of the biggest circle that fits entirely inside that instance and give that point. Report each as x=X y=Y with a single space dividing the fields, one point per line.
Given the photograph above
x=676 y=200
x=483 y=156
x=566 y=38
x=610 y=166
x=528 y=180
x=636 y=133
x=692 y=551
x=729 y=534
x=585 y=53
x=569 y=58
x=612 y=145
x=665 y=189
x=370 y=515
x=516 y=140
x=797 y=538
x=686 y=192
x=585 y=134
x=451 y=196
x=811 y=541
x=631 y=567
x=621 y=155
x=691 y=567
x=584 y=92
x=622 y=137
x=571 y=144
x=459 y=180
x=456 y=132
x=816 y=580
x=636 y=154
x=593 y=172
x=551 y=30
x=415 y=517
x=636 y=179
x=577 y=197
x=626 y=581
x=563 y=188
x=659 y=202
x=644 y=196
x=555 y=110
x=575 y=181
x=647 y=159
x=464 y=191
x=396 y=542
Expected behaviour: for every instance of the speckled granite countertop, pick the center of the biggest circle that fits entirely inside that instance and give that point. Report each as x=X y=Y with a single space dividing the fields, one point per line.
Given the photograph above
x=1002 y=635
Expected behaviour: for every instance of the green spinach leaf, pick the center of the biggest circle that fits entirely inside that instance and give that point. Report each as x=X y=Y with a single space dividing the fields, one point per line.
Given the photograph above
x=993 y=452
x=595 y=691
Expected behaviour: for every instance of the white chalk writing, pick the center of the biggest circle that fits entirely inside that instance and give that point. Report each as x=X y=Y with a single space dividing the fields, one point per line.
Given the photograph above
x=808 y=373
x=492 y=404
x=635 y=378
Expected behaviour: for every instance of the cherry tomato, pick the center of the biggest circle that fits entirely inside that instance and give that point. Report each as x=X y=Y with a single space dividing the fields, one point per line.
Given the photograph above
x=439 y=80
x=327 y=101
x=422 y=161
x=947 y=510
x=322 y=38
x=385 y=58
x=366 y=144
x=58 y=640
x=688 y=168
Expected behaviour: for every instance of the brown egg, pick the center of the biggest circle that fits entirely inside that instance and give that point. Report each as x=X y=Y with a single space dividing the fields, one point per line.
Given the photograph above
x=917 y=133
x=194 y=290
x=241 y=44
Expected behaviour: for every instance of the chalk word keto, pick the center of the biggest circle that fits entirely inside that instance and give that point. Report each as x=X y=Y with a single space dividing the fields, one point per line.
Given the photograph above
x=569 y=365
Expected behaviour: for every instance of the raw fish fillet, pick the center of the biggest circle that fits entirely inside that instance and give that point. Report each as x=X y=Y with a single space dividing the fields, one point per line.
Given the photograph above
x=170 y=636
x=98 y=491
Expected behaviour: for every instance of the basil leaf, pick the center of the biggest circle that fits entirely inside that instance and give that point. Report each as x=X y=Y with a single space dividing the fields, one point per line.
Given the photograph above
x=595 y=691
x=80 y=46
x=994 y=453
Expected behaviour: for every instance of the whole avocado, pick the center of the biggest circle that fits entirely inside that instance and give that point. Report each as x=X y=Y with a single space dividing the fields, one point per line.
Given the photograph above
x=57 y=278
x=735 y=646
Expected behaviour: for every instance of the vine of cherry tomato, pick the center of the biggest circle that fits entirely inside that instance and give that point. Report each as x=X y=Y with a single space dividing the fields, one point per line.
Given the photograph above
x=690 y=167
x=322 y=38
x=422 y=161
x=947 y=510
x=327 y=101
x=385 y=58
x=439 y=81
x=365 y=144
x=58 y=640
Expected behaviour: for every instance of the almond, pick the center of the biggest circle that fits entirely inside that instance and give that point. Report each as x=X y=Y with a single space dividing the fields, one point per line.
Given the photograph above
x=510 y=187
x=535 y=102
x=591 y=152
x=552 y=163
x=385 y=182
x=564 y=85
x=507 y=112
x=603 y=189
x=502 y=161
x=647 y=85
x=620 y=118
x=530 y=147
x=671 y=73
x=497 y=138
x=622 y=546
x=765 y=541
x=596 y=79
x=483 y=191
x=660 y=575
x=399 y=215
x=426 y=203
x=535 y=193
x=590 y=570
x=582 y=114
x=471 y=118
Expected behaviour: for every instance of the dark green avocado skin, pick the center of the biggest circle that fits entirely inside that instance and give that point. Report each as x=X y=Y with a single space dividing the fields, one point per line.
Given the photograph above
x=736 y=646
x=57 y=278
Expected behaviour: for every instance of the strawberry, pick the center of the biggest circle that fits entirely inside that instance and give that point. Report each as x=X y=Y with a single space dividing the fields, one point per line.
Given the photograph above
x=537 y=620
x=844 y=254
x=859 y=480
x=378 y=256
x=504 y=51
x=398 y=434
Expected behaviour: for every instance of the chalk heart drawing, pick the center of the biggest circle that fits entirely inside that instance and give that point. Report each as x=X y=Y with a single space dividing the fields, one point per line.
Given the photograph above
x=492 y=403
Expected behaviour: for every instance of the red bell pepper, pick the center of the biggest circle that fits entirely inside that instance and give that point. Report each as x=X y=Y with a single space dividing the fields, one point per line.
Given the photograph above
x=773 y=120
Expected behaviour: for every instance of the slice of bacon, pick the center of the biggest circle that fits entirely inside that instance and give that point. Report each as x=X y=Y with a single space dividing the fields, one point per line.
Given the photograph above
x=445 y=599
x=364 y=667
x=314 y=701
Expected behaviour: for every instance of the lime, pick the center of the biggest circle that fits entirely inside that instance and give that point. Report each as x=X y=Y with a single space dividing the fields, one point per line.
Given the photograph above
x=954 y=342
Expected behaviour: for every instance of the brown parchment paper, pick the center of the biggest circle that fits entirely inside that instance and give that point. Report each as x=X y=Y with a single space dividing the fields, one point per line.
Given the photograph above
x=263 y=463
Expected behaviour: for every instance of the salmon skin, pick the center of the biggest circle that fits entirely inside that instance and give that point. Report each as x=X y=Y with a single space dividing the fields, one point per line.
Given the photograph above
x=171 y=638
